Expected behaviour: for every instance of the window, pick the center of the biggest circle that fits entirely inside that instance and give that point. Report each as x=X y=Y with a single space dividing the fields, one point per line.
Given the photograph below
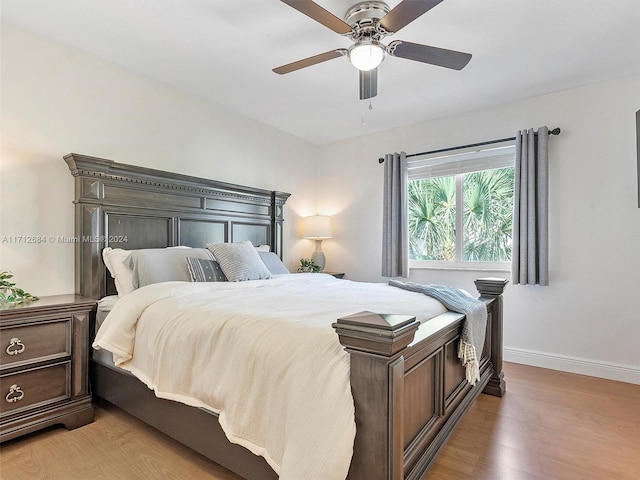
x=461 y=209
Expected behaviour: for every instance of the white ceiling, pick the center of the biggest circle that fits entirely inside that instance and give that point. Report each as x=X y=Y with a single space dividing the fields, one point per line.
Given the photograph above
x=224 y=51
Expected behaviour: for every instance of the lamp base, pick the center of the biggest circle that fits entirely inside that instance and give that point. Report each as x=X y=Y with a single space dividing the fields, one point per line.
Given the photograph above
x=318 y=256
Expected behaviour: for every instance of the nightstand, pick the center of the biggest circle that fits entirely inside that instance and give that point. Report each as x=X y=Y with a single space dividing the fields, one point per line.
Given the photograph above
x=336 y=274
x=44 y=365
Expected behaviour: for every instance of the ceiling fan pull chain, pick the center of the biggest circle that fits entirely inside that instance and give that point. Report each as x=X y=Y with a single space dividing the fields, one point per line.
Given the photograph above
x=363 y=113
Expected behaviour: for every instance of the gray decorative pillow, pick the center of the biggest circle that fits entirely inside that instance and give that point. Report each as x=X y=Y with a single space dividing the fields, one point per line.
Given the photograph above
x=273 y=263
x=203 y=270
x=239 y=261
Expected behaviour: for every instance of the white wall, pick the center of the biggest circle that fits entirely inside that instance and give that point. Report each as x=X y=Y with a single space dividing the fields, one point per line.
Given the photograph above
x=56 y=101
x=588 y=319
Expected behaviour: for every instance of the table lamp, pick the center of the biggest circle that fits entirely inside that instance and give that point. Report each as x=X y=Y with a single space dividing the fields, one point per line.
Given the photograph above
x=317 y=227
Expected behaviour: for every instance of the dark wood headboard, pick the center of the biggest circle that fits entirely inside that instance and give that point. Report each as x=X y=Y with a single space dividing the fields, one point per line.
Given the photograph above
x=130 y=207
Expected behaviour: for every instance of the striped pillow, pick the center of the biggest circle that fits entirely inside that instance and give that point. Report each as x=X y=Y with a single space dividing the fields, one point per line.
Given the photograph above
x=203 y=270
x=239 y=261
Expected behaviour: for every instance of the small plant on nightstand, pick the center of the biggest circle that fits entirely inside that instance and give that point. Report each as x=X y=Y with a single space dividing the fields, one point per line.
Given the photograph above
x=10 y=294
x=308 y=265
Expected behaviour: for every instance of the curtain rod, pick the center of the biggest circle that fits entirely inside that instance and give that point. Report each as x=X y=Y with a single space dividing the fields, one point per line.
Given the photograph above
x=555 y=131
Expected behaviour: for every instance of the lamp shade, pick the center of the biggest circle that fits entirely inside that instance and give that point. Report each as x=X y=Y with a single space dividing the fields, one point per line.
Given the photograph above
x=317 y=227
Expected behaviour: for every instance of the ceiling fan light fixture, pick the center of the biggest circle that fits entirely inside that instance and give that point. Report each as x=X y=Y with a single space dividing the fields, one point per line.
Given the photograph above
x=366 y=55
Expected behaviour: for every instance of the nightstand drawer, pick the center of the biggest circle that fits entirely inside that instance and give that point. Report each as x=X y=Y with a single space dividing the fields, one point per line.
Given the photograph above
x=35 y=387
x=35 y=341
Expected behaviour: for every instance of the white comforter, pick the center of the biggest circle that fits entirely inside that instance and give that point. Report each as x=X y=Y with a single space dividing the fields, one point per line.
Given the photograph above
x=262 y=354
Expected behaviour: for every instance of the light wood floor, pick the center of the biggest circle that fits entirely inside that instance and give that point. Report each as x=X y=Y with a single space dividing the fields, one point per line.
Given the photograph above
x=550 y=425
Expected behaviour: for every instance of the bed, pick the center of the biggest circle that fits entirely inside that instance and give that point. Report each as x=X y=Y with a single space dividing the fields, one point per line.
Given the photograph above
x=408 y=386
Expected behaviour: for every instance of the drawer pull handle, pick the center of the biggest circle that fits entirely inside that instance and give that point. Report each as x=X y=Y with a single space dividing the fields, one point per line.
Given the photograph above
x=15 y=394
x=16 y=347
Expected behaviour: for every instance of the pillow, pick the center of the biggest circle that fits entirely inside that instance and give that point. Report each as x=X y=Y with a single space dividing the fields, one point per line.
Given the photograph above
x=203 y=270
x=239 y=261
x=114 y=259
x=263 y=248
x=156 y=265
x=273 y=263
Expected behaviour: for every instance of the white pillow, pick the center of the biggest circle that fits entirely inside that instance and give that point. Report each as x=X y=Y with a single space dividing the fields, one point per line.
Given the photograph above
x=239 y=261
x=117 y=260
x=114 y=259
x=263 y=248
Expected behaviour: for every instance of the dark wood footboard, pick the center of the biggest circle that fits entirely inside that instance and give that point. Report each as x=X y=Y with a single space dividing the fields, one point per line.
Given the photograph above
x=409 y=387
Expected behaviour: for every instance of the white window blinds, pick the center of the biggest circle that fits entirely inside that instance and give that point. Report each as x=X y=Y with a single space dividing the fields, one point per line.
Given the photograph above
x=440 y=165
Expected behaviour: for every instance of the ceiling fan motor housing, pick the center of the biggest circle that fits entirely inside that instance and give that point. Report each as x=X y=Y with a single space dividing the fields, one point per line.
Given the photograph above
x=366 y=10
x=364 y=18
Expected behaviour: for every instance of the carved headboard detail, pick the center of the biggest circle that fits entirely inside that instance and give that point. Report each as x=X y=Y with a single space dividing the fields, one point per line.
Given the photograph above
x=130 y=207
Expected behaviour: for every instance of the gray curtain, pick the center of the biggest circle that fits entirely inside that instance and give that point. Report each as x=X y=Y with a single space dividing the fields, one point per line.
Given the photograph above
x=395 y=228
x=530 y=255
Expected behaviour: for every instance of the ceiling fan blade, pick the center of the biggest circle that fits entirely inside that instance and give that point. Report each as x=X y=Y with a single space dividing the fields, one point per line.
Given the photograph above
x=426 y=54
x=368 y=84
x=307 y=62
x=319 y=14
x=406 y=12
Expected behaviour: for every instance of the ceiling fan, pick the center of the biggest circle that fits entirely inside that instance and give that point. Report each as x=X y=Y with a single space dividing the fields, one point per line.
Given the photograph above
x=366 y=23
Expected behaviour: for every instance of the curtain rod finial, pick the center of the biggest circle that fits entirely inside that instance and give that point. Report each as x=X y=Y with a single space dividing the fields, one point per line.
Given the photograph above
x=381 y=160
x=555 y=131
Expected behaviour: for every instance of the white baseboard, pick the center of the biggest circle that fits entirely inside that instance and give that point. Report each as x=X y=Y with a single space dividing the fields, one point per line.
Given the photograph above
x=581 y=366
